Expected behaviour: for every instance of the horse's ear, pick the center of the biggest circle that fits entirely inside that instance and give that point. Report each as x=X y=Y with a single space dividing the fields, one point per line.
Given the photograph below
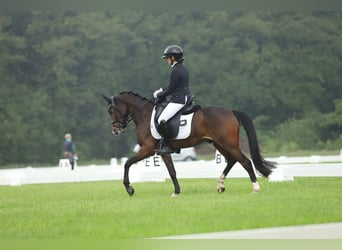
x=107 y=99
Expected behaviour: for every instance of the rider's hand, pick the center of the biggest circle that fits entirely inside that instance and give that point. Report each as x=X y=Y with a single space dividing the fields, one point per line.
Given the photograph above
x=155 y=93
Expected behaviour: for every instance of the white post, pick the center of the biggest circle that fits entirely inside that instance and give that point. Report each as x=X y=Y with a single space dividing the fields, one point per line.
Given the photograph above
x=113 y=162
x=64 y=163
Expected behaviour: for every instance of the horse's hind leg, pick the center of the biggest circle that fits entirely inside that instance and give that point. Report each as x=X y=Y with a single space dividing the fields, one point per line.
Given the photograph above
x=220 y=181
x=234 y=154
x=247 y=165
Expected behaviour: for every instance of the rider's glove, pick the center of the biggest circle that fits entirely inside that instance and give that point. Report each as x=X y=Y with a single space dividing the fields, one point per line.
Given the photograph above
x=155 y=93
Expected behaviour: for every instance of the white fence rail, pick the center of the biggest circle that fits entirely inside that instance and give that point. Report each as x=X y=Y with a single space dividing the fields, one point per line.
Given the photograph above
x=153 y=169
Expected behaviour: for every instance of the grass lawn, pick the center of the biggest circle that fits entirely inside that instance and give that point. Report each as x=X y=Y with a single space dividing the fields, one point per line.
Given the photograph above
x=103 y=210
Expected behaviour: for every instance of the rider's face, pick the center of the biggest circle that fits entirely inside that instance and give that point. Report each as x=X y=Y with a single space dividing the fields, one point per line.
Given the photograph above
x=170 y=60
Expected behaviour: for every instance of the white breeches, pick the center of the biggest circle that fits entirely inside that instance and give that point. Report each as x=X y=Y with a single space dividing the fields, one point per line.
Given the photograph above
x=170 y=110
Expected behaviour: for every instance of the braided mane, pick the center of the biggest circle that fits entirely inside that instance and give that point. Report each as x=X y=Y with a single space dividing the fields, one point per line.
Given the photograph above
x=135 y=94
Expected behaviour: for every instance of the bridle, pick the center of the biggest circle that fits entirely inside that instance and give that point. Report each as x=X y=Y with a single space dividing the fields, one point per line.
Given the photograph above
x=122 y=122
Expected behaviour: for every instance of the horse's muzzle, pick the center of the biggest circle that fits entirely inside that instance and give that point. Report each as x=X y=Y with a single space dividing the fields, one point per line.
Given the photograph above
x=117 y=131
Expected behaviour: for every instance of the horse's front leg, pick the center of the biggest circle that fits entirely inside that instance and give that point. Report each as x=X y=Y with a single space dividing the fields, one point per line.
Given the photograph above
x=129 y=188
x=172 y=172
x=144 y=152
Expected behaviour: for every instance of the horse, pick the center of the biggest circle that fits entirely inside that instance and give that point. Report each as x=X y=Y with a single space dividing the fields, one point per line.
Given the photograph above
x=217 y=125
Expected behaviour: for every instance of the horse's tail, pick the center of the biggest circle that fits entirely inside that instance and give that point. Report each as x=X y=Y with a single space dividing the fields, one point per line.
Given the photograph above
x=262 y=166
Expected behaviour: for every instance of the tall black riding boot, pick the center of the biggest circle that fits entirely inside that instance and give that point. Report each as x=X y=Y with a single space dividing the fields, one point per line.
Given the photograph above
x=164 y=141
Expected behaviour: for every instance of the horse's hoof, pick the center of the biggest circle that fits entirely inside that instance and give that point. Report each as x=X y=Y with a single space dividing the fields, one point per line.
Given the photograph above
x=175 y=194
x=256 y=187
x=130 y=191
x=221 y=189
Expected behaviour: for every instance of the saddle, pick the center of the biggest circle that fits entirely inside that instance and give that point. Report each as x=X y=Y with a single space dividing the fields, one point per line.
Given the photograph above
x=175 y=122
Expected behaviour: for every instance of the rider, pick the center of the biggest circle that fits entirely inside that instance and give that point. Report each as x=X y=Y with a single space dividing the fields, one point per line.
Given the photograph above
x=178 y=89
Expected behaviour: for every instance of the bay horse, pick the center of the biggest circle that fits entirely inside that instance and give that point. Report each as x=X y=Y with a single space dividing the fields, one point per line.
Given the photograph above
x=217 y=125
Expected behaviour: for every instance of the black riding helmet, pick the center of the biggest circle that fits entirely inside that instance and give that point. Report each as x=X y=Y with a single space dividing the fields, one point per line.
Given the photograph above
x=173 y=50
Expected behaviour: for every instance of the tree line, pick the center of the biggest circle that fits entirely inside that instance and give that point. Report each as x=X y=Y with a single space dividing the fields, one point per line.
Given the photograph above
x=281 y=68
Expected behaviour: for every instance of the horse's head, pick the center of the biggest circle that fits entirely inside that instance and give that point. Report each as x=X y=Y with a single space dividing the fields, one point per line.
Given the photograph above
x=125 y=107
x=119 y=113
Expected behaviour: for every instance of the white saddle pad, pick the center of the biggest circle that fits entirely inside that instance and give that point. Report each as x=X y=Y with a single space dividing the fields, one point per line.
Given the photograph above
x=184 y=127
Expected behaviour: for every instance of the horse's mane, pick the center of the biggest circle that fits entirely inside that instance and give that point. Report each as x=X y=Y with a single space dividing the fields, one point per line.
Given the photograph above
x=135 y=94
